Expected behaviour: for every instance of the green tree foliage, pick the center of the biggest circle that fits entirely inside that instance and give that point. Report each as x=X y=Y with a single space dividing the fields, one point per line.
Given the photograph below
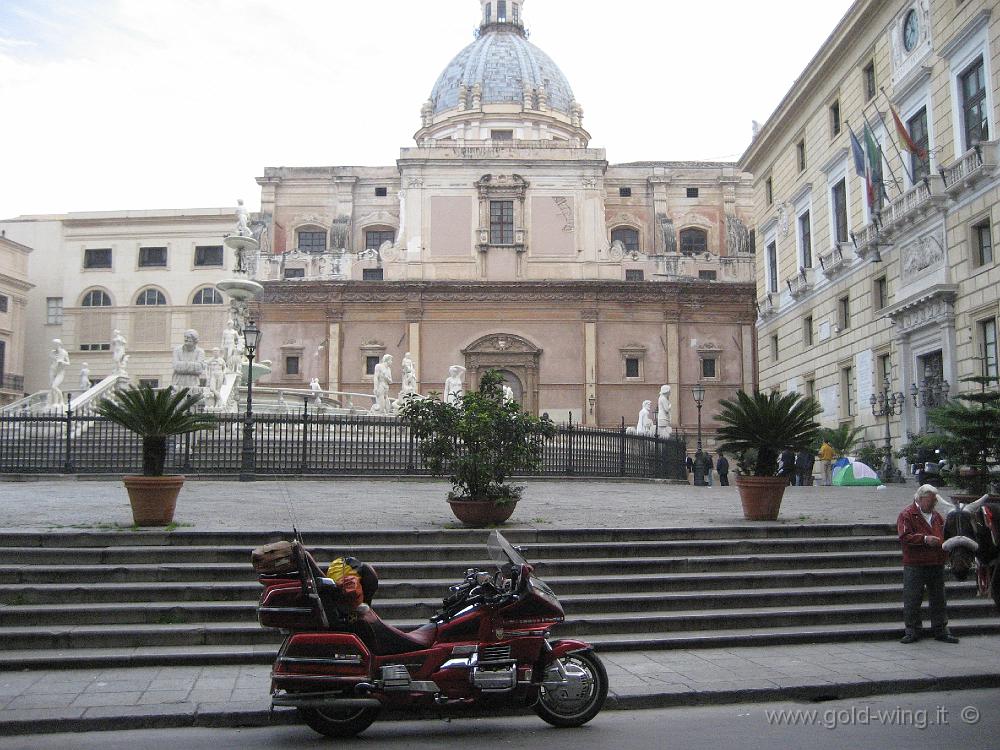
x=154 y=415
x=970 y=435
x=480 y=443
x=756 y=428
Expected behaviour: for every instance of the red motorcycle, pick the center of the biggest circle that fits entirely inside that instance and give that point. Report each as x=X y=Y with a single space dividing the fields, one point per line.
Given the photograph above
x=340 y=664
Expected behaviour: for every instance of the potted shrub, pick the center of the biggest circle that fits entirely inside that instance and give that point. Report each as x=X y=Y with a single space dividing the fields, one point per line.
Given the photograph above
x=755 y=428
x=969 y=434
x=154 y=415
x=478 y=444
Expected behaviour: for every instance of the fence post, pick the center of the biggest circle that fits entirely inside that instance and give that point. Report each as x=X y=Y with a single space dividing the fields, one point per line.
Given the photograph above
x=410 y=466
x=68 y=466
x=186 y=463
x=305 y=433
x=621 y=449
x=569 y=445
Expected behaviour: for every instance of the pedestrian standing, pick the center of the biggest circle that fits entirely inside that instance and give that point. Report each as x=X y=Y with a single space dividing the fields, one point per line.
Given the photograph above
x=921 y=532
x=786 y=465
x=689 y=465
x=826 y=459
x=722 y=466
x=706 y=462
x=803 y=467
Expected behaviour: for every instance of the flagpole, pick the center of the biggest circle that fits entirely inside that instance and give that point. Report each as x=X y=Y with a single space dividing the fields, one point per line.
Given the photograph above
x=862 y=166
x=895 y=145
x=895 y=179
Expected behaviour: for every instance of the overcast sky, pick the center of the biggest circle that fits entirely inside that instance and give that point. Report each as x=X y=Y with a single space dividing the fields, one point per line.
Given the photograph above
x=117 y=104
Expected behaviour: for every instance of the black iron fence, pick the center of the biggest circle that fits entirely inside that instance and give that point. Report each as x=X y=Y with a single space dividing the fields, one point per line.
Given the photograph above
x=303 y=443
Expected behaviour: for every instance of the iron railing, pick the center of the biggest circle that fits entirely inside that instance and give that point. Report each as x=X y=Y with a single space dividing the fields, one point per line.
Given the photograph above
x=307 y=444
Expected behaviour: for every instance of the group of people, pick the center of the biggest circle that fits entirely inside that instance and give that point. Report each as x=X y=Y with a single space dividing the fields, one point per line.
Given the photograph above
x=703 y=460
x=797 y=467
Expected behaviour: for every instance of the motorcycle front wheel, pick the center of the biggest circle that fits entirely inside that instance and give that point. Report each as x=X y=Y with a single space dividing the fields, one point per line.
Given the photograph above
x=580 y=698
x=344 y=722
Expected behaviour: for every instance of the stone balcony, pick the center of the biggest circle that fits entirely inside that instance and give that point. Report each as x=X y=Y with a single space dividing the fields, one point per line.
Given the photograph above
x=735 y=268
x=972 y=167
x=836 y=260
x=909 y=208
x=800 y=284
x=768 y=305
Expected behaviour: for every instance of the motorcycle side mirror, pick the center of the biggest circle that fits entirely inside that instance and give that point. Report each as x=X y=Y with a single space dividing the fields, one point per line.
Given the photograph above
x=483 y=577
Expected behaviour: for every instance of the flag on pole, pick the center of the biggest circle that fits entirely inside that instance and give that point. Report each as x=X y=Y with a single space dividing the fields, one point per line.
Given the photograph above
x=906 y=142
x=858 y=152
x=873 y=185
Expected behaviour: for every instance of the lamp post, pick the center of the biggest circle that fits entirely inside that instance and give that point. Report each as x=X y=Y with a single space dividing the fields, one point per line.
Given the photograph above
x=251 y=339
x=932 y=392
x=699 y=472
x=887 y=404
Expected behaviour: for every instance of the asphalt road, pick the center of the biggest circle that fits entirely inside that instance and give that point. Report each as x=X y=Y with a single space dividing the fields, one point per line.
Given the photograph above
x=961 y=719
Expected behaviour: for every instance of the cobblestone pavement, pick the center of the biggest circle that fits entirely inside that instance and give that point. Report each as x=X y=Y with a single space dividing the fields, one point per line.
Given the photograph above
x=210 y=505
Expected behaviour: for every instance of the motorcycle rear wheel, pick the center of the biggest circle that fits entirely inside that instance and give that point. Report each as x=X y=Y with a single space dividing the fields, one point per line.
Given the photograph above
x=332 y=722
x=561 y=709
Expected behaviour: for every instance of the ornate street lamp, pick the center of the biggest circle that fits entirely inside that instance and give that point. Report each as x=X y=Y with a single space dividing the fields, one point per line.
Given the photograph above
x=698 y=392
x=251 y=339
x=932 y=392
x=887 y=404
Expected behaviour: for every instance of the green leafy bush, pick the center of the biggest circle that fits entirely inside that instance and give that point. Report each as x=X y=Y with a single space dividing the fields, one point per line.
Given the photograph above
x=756 y=428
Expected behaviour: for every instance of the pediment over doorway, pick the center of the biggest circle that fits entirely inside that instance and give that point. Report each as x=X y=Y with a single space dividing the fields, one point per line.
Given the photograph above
x=501 y=343
x=514 y=356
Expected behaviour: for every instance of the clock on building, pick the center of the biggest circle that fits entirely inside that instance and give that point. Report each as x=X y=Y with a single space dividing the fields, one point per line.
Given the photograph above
x=911 y=29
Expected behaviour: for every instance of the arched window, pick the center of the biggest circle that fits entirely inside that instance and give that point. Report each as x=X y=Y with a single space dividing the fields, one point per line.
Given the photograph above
x=627 y=236
x=694 y=241
x=311 y=240
x=208 y=295
x=151 y=297
x=96 y=298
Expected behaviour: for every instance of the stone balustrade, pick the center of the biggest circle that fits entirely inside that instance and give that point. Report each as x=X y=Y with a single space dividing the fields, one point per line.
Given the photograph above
x=801 y=283
x=970 y=168
x=836 y=260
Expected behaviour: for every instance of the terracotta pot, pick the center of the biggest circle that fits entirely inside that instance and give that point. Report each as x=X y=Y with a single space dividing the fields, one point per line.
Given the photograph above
x=479 y=513
x=153 y=499
x=761 y=496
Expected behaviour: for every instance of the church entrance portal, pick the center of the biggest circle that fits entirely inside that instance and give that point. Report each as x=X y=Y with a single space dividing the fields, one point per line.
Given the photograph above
x=515 y=357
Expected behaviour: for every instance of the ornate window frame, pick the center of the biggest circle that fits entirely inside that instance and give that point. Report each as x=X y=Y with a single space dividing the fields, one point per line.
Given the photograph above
x=710 y=350
x=512 y=187
x=370 y=348
x=633 y=351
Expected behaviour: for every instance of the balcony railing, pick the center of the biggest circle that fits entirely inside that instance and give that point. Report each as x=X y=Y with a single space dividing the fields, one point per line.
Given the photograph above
x=800 y=284
x=974 y=165
x=836 y=260
x=767 y=306
x=913 y=205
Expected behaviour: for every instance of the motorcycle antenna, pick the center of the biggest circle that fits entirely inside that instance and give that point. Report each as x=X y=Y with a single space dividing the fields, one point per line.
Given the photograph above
x=291 y=511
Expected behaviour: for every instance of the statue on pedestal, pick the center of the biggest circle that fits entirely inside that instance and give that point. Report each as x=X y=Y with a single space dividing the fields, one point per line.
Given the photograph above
x=118 y=343
x=188 y=362
x=409 y=378
x=317 y=390
x=242 y=220
x=508 y=394
x=84 y=378
x=645 y=424
x=454 y=387
x=216 y=370
x=58 y=362
x=383 y=379
x=229 y=337
x=663 y=427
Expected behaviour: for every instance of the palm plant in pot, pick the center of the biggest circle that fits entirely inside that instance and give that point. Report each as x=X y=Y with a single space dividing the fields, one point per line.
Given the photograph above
x=154 y=415
x=755 y=428
x=478 y=444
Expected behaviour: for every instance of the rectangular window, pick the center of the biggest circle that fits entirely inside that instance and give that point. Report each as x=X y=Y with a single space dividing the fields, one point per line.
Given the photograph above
x=95 y=347
x=631 y=367
x=3 y=361
x=811 y=388
x=54 y=311
x=884 y=369
x=3 y=303
x=868 y=81
x=800 y=155
x=772 y=267
x=844 y=313
x=692 y=192
x=920 y=167
x=381 y=192
x=502 y=11
x=501 y=222
x=708 y=275
x=982 y=239
x=294 y=273
x=835 y=119
x=988 y=344
x=708 y=367
x=838 y=195
x=807 y=330
x=847 y=403
x=371 y=274
x=634 y=274
x=370 y=364
x=149 y=383
x=625 y=192
x=291 y=365
x=501 y=135
x=805 y=240
x=208 y=256
x=753 y=241
x=774 y=347
x=769 y=191
x=312 y=242
x=97 y=257
x=152 y=257
x=974 y=112
x=880 y=292
x=375 y=237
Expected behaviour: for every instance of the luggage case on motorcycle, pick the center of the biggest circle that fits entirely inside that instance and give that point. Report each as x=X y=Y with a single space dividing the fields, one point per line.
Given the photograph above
x=274 y=558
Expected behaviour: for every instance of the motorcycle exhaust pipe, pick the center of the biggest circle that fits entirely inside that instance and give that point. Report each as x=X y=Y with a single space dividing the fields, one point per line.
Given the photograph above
x=306 y=700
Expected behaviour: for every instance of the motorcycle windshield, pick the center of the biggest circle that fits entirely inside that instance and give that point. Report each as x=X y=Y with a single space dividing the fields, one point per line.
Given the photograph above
x=501 y=551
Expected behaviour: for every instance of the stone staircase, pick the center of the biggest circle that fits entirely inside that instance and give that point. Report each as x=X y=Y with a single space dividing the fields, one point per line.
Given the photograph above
x=104 y=600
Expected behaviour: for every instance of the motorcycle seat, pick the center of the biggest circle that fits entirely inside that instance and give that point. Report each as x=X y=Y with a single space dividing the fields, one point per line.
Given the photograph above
x=386 y=640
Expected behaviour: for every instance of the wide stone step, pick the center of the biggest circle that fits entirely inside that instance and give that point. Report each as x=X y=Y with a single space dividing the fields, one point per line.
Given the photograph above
x=619 y=603
x=433 y=588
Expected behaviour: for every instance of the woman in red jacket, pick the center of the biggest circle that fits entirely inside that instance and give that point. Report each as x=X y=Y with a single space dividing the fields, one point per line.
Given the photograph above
x=921 y=532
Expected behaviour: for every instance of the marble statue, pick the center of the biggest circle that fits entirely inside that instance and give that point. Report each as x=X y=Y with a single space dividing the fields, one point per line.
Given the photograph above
x=242 y=220
x=282 y=405
x=216 y=371
x=118 y=343
x=188 y=362
x=84 y=377
x=508 y=393
x=58 y=362
x=402 y=217
x=663 y=407
x=383 y=379
x=408 y=386
x=454 y=387
x=317 y=390
x=229 y=336
x=645 y=425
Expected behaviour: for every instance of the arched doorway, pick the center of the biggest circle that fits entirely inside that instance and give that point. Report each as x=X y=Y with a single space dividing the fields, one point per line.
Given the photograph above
x=515 y=357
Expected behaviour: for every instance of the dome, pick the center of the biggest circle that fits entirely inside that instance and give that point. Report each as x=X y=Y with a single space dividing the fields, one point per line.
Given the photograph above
x=504 y=64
